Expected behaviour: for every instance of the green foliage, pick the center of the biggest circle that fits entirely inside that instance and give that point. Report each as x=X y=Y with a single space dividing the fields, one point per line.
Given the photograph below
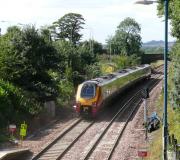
x=174 y=15
x=87 y=57
x=153 y=50
x=68 y=27
x=67 y=52
x=65 y=90
x=14 y=102
x=127 y=39
x=25 y=58
x=46 y=34
x=93 y=71
x=175 y=76
x=126 y=61
x=77 y=60
x=174 y=121
x=93 y=46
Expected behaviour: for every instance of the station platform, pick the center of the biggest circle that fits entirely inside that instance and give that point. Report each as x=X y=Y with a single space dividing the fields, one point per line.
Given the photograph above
x=14 y=154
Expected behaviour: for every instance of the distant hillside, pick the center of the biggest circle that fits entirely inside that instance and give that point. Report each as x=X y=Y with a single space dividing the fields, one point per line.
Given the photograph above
x=154 y=43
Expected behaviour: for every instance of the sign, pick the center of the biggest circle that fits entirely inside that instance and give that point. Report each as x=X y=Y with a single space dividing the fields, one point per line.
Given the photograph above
x=12 y=128
x=142 y=153
x=23 y=129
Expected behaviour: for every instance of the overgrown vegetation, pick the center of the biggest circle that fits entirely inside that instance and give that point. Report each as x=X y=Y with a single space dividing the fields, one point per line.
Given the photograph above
x=174 y=72
x=156 y=144
x=39 y=65
x=153 y=50
x=127 y=39
x=173 y=79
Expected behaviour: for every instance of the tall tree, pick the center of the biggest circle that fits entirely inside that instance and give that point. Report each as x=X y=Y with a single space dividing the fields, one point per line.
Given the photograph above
x=93 y=46
x=68 y=27
x=174 y=16
x=127 y=39
x=26 y=58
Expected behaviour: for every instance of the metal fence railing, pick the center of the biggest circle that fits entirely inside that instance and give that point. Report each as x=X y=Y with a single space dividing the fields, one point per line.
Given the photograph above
x=175 y=147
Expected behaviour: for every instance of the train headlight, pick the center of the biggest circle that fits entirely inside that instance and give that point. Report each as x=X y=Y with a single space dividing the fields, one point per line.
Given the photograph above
x=78 y=104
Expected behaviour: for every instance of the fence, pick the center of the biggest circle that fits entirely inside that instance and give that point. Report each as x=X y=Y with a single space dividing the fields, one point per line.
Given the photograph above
x=175 y=146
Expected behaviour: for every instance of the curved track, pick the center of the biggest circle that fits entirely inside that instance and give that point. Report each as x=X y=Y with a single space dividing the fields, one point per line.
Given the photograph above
x=63 y=143
x=109 y=138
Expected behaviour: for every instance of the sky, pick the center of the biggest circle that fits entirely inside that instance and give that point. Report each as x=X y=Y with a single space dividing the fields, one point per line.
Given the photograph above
x=101 y=16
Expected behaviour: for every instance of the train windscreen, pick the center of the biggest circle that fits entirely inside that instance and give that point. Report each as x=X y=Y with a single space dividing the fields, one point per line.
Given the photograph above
x=88 y=90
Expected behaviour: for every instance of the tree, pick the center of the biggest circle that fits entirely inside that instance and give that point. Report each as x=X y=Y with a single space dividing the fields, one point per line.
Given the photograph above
x=127 y=39
x=174 y=16
x=76 y=59
x=46 y=34
x=26 y=58
x=94 y=47
x=68 y=27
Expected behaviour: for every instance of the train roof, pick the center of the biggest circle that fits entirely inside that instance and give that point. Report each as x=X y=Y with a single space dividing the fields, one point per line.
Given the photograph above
x=110 y=77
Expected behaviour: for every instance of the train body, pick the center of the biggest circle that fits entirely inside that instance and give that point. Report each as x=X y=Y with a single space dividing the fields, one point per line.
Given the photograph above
x=92 y=94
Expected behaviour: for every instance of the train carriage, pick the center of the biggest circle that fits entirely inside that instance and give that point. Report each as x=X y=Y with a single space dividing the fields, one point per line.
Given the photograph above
x=93 y=93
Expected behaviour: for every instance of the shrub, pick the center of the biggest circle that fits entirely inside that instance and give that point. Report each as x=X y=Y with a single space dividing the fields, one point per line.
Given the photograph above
x=124 y=61
x=15 y=104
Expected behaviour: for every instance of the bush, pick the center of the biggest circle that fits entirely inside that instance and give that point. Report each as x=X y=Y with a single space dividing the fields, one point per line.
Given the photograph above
x=175 y=76
x=65 y=91
x=124 y=61
x=93 y=71
x=15 y=104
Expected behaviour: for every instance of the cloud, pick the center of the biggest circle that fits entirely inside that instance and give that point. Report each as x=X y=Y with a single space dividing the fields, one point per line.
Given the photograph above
x=102 y=16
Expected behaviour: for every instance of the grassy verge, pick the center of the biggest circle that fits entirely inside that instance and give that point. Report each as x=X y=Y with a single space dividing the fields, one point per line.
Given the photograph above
x=173 y=127
x=156 y=144
x=157 y=63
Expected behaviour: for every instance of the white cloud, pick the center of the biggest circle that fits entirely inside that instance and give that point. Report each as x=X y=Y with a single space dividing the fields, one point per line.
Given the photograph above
x=102 y=16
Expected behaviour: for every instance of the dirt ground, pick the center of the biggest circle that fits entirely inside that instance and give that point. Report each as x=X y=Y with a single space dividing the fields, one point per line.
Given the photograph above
x=133 y=139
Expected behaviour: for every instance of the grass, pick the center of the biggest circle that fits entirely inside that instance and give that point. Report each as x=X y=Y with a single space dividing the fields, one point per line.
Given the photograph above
x=173 y=127
x=157 y=63
x=107 y=68
x=156 y=144
x=174 y=122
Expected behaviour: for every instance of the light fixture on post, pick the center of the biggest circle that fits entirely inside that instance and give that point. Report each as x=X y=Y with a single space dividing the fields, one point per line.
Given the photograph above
x=144 y=2
x=165 y=128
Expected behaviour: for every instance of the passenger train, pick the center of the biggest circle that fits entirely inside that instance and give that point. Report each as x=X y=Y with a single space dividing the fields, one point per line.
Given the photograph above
x=92 y=94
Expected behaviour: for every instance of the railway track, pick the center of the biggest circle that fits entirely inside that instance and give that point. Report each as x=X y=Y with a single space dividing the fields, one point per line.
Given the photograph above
x=116 y=130
x=63 y=143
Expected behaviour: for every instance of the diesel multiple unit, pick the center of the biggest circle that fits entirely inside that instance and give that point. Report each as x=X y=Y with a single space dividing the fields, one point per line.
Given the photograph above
x=92 y=94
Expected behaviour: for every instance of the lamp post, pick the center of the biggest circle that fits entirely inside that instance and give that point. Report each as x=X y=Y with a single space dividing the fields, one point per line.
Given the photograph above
x=165 y=127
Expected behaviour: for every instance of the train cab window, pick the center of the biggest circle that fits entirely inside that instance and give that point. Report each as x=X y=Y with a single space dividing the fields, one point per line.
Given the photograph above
x=88 y=91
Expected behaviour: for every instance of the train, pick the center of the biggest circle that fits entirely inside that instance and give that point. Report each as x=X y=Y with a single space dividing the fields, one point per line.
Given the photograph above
x=92 y=94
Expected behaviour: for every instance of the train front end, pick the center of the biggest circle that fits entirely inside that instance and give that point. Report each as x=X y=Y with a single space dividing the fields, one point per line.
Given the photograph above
x=88 y=99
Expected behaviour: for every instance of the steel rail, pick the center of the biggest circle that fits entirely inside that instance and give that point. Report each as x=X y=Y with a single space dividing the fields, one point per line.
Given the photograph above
x=55 y=140
x=113 y=119
x=107 y=127
x=121 y=133
x=76 y=139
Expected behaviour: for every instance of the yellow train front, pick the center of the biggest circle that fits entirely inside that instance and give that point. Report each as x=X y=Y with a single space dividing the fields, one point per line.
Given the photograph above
x=88 y=98
x=93 y=93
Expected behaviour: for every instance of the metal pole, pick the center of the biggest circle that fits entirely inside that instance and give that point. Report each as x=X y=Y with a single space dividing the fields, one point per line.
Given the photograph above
x=145 y=117
x=165 y=128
